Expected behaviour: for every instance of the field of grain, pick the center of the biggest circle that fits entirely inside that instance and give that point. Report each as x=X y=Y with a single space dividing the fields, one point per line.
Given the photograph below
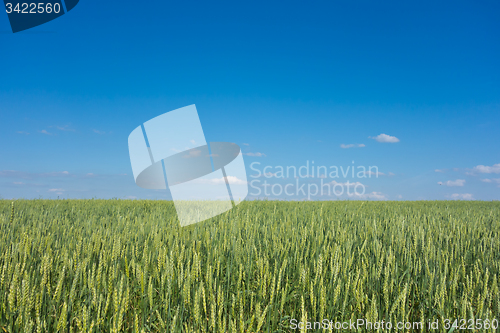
x=121 y=265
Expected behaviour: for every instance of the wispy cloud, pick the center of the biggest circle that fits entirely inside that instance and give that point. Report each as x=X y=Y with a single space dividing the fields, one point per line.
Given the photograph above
x=487 y=169
x=192 y=153
x=64 y=128
x=56 y=190
x=440 y=170
x=45 y=132
x=24 y=185
x=352 y=145
x=22 y=132
x=372 y=195
x=458 y=182
x=370 y=173
x=15 y=175
x=461 y=196
x=31 y=175
x=245 y=144
x=255 y=154
x=384 y=138
x=492 y=180
x=98 y=132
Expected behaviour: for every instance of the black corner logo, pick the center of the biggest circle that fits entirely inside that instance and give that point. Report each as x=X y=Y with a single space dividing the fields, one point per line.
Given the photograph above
x=25 y=15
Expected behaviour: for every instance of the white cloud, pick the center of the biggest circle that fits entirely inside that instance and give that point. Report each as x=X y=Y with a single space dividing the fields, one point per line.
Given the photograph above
x=376 y=195
x=352 y=145
x=487 y=169
x=246 y=144
x=56 y=190
x=45 y=132
x=458 y=182
x=384 y=138
x=64 y=128
x=98 y=132
x=461 y=196
x=440 y=170
x=22 y=132
x=255 y=154
x=235 y=181
x=192 y=141
x=493 y=180
x=18 y=183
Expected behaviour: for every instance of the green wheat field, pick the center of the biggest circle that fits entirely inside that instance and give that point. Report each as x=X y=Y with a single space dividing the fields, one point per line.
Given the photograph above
x=128 y=266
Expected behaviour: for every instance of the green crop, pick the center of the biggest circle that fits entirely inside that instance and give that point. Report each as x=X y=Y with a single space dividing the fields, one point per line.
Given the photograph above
x=120 y=265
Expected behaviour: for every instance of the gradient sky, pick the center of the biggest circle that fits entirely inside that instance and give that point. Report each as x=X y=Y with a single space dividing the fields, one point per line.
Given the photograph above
x=289 y=81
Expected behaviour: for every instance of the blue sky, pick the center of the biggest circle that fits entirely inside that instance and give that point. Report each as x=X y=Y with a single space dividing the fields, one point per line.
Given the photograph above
x=291 y=82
